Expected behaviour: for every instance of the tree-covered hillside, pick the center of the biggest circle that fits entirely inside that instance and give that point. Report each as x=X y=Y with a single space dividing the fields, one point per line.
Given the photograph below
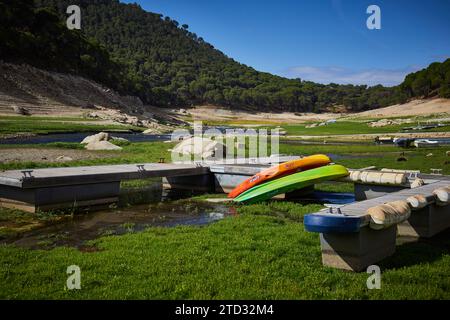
x=37 y=37
x=432 y=81
x=165 y=64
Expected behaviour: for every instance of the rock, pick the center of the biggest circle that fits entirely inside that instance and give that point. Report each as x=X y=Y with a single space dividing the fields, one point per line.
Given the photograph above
x=21 y=110
x=204 y=147
x=102 y=145
x=388 y=122
x=448 y=153
x=64 y=158
x=119 y=139
x=93 y=115
x=150 y=131
x=102 y=136
x=429 y=155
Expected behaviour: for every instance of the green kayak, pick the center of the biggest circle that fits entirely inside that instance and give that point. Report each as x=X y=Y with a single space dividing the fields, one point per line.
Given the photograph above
x=291 y=182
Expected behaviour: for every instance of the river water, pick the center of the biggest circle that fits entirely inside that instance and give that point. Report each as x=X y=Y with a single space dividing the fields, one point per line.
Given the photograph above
x=77 y=137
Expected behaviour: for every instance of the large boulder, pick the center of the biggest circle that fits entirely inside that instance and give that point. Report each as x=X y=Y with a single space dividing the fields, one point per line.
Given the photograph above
x=102 y=136
x=102 y=145
x=21 y=110
x=203 y=147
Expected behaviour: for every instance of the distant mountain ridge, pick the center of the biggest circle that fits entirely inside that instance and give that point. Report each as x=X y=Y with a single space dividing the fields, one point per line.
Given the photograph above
x=162 y=62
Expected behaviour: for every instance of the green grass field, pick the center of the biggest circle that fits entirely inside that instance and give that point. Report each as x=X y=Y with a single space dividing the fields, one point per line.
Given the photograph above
x=131 y=153
x=349 y=127
x=45 y=125
x=264 y=253
x=423 y=159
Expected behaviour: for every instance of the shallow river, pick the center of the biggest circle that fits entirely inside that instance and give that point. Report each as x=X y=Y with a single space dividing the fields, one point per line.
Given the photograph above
x=162 y=210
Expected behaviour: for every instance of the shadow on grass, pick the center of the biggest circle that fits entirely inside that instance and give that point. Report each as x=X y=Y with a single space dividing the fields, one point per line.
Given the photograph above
x=419 y=252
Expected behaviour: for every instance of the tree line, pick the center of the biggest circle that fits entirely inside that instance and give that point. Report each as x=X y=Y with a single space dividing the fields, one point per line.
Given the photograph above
x=165 y=64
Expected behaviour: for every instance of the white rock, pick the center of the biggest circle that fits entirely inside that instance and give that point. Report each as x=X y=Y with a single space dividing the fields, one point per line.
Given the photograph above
x=102 y=145
x=119 y=139
x=204 y=147
x=102 y=136
x=64 y=158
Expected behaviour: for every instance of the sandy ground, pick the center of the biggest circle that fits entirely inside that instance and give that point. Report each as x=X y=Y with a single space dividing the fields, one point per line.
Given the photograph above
x=212 y=113
x=47 y=155
x=413 y=108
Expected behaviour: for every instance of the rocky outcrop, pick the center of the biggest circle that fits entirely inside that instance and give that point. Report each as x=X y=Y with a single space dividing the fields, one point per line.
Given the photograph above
x=201 y=147
x=100 y=141
x=102 y=145
x=102 y=136
x=21 y=110
x=389 y=122
x=28 y=90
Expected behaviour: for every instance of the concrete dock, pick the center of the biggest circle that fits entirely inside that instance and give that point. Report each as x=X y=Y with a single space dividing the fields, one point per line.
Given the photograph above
x=62 y=188
x=356 y=251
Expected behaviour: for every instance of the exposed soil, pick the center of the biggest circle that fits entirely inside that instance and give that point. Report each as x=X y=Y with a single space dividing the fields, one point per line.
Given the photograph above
x=413 y=108
x=212 y=113
x=55 y=94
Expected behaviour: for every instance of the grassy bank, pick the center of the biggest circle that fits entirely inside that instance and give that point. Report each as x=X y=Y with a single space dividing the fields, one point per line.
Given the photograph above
x=256 y=255
x=352 y=156
x=350 y=128
x=132 y=153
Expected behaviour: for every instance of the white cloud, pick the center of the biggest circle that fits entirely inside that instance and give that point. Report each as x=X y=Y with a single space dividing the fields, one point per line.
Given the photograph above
x=371 y=77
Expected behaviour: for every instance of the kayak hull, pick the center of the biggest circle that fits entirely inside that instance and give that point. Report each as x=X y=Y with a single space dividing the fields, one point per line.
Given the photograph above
x=332 y=223
x=280 y=170
x=291 y=182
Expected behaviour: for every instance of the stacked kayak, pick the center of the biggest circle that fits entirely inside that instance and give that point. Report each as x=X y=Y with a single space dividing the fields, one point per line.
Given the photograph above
x=281 y=170
x=268 y=190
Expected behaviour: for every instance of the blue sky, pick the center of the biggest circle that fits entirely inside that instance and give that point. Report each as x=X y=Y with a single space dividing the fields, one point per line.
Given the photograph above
x=322 y=40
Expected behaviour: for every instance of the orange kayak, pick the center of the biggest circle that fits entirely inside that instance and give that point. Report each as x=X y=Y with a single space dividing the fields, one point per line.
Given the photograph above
x=280 y=170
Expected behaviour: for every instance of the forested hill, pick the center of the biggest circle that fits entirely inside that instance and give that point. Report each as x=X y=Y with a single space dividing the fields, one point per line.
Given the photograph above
x=161 y=61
